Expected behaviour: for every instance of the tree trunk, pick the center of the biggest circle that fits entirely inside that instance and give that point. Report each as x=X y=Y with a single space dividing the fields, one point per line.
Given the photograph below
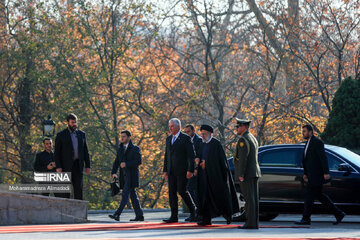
x=289 y=61
x=24 y=115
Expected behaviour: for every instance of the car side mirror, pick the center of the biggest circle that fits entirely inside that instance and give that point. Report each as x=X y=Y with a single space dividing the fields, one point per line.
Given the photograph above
x=344 y=167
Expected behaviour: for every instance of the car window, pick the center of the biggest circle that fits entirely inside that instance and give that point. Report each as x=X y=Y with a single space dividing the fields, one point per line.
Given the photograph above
x=347 y=154
x=280 y=158
x=334 y=162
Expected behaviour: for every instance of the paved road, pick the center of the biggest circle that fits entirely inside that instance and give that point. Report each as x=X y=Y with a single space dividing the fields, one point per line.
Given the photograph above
x=321 y=228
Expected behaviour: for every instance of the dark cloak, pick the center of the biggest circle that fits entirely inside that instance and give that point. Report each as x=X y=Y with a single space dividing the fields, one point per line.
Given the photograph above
x=215 y=181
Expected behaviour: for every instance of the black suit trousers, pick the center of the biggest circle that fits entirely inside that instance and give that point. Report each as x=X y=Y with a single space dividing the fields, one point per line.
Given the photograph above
x=193 y=190
x=177 y=184
x=315 y=192
x=76 y=181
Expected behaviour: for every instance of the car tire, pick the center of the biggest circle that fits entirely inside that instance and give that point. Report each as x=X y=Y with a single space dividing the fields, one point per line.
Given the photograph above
x=241 y=217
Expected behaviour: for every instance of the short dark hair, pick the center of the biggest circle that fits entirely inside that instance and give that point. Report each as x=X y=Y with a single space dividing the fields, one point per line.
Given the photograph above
x=71 y=116
x=242 y=124
x=308 y=127
x=127 y=132
x=190 y=126
x=46 y=139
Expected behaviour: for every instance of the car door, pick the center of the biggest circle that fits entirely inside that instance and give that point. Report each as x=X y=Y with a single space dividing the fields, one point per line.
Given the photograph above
x=344 y=186
x=281 y=174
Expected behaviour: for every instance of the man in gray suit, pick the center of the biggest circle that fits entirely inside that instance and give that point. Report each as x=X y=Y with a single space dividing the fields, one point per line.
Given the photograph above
x=247 y=171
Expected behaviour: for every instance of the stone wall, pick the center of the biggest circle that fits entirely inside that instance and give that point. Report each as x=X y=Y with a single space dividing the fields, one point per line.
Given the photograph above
x=20 y=208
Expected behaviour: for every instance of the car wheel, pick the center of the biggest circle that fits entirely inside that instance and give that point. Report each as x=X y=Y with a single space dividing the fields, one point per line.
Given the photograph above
x=241 y=217
x=267 y=216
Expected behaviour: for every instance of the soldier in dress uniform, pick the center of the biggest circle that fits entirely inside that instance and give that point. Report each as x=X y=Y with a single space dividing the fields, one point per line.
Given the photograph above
x=247 y=171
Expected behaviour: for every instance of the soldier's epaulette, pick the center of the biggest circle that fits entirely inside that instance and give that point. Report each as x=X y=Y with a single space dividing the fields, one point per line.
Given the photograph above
x=245 y=143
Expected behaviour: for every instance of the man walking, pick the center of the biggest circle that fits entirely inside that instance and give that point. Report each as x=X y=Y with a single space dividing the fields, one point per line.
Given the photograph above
x=316 y=173
x=192 y=183
x=178 y=168
x=71 y=154
x=247 y=171
x=217 y=195
x=128 y=159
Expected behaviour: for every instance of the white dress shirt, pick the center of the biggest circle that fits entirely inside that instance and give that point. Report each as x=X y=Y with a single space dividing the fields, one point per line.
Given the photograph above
x=176 y=136
x=306 y=147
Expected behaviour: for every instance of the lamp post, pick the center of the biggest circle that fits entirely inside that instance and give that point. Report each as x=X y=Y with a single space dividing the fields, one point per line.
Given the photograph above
x=48 y=127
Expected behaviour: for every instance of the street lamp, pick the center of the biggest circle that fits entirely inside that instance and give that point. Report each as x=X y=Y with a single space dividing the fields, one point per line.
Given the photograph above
x=48 y=127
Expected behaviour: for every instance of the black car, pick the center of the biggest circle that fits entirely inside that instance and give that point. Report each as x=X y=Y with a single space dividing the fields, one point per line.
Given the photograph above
x=282 y=187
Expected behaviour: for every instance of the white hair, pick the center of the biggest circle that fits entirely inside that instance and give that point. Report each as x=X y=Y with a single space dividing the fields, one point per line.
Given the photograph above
x=176 y=121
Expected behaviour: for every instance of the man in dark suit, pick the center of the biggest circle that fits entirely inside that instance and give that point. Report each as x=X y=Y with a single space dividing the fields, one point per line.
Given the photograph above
x=316 y=173
x=247 y=171
x=178 y=168
x=71 y=154
x=192 y=183
x=44 y=161
x=128 y=159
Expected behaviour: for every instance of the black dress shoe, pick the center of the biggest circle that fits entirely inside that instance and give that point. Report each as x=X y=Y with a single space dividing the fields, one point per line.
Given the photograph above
x=204 y=223
x=171 y=220
x=192 y=218
x=138 y=219
x=303 y=222
x=339 y=218
x=116 y=217
x=247 y=227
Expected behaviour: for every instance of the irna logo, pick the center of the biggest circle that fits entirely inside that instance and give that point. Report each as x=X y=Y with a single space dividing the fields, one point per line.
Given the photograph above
x=52 y=177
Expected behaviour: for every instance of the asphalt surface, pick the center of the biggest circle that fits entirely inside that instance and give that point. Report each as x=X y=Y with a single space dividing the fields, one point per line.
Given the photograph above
x=321 y=227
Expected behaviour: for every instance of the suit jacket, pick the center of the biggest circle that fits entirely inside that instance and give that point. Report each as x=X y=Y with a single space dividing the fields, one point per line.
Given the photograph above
x=132 y=158
x=42 y=160
x=246 y=157
x=64 y=151
x=315 y=162
x=197 y=141
x=179 y=157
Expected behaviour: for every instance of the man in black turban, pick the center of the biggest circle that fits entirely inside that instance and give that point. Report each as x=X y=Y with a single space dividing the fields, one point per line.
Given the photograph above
x=217 y=195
